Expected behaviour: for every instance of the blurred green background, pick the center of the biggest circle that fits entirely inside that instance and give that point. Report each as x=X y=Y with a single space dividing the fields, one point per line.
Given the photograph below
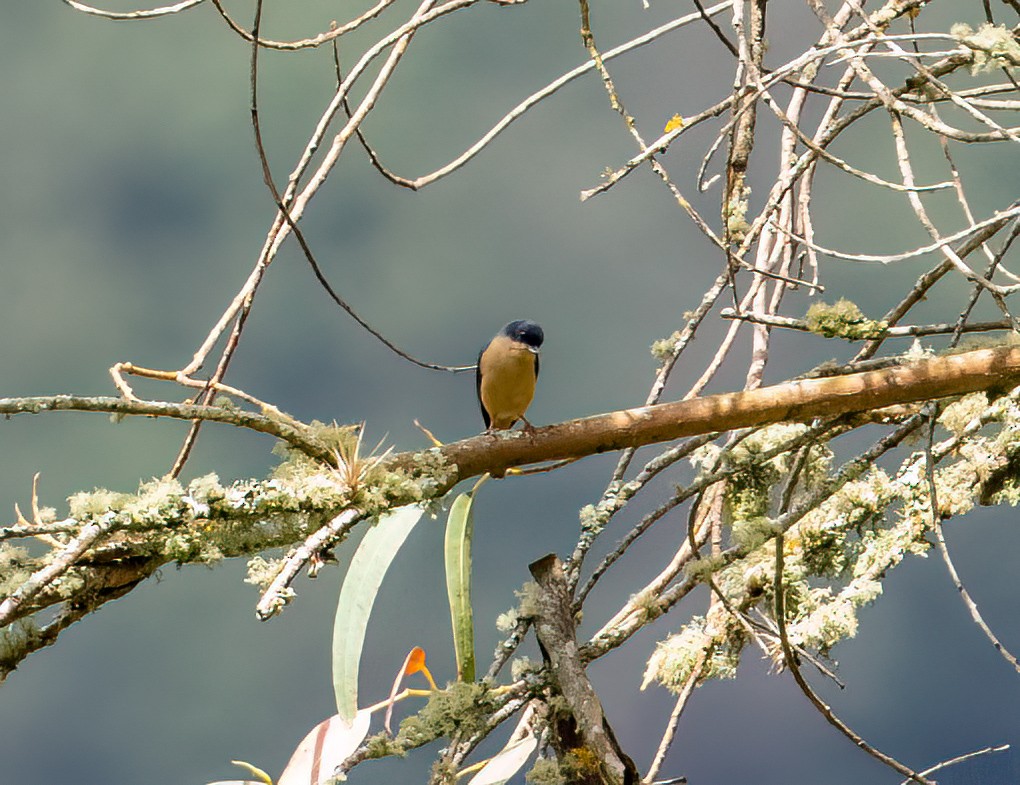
x=132 y=210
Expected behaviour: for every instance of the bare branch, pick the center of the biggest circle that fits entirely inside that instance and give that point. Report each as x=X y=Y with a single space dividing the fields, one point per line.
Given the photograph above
x=674 y=719
x=277 y=595
x=554 y=626
x=944 y=242
x=900 y=331
x=925 y=379
x=284 y=429
x=124 y=16
x=335 y=31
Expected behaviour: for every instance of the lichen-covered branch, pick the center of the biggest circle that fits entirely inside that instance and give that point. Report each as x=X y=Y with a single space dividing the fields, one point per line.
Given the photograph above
x=583 y=732
x=111 y=541
x=315 y=503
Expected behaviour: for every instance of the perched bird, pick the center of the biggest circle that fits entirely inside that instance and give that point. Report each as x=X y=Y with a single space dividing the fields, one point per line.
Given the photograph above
x=507 y=370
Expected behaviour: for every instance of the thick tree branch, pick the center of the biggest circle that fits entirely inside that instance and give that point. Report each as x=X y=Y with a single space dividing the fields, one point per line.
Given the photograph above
x=798 y=401
x=587 y=726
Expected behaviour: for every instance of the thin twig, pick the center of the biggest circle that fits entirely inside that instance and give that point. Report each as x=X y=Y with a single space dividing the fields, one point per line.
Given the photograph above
x=291 y=222
x=899 y=331
x=278 y=594
x=674 y=718
x=553 y=87
x=296 y=435
x=124 y=16
x=995 y=219
x=372 y=156
x=813 y=697
x=940 y=542
x=297 y=198
x=963 y=758
x=61 y=563
x=334 y=32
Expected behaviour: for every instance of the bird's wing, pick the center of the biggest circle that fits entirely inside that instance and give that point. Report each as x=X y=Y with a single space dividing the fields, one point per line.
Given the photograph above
x=478 y=388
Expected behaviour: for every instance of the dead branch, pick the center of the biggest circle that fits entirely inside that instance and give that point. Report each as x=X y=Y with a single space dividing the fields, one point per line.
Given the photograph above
x=586 y=727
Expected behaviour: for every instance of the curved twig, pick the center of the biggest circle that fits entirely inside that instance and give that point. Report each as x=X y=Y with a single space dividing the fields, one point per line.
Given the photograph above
x=126 y=16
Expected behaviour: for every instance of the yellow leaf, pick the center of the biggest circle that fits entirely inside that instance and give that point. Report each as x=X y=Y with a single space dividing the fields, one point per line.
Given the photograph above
x=254 y=770
x=676 y=121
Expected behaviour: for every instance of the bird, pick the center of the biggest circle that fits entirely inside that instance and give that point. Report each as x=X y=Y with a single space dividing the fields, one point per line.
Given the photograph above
x=506 y=374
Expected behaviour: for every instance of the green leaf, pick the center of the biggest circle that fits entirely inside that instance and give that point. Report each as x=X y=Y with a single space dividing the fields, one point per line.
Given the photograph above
x=459 y=529
x=364 y=577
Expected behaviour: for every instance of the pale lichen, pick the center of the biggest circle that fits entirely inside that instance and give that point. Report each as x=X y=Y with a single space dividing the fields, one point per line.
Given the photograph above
x=262 y=571
x=546 y=771
x=735 y=211
x=712 y=643
x=589 y=519
x=159 y=501
x=843 y=319
x=750 y=488
x=507 y=621
x=16 y=565
x=86 y=504
x=529 y=595
x=520 y=667
x=462 y=707
x=837 y=553
x=664 y=348
x=993 y=46
x=957 y=416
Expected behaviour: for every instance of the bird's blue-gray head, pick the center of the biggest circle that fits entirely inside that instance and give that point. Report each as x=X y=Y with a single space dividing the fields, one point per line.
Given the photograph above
x=526 y=332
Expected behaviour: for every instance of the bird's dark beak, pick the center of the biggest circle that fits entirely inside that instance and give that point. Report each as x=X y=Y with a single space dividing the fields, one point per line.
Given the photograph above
x=532 y=349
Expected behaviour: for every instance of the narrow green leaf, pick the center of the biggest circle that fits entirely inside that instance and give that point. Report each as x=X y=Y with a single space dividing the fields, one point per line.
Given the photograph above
x=364 y=577
x=459 y=529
